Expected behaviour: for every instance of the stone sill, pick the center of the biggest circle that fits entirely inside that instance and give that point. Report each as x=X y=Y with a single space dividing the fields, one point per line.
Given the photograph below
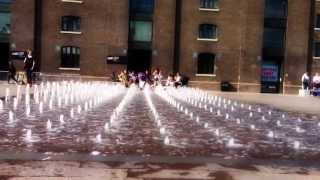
x=205 y=75
x=205 y=39
x=316 y=58
x=69 y=69
x=71 y=32
x=208 y=9
x=73 y=1
x=317 y=29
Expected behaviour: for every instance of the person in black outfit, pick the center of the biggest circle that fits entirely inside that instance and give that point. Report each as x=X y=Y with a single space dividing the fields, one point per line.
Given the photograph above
x=29 y=66
x=12 y=72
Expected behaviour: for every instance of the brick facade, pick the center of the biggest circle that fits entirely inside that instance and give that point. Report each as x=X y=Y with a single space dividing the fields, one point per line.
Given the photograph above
x=104 y=31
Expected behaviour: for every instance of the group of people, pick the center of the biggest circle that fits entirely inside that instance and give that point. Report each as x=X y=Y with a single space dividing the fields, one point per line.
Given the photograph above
x=312 y=84
x=155 y=79
x=29 y=64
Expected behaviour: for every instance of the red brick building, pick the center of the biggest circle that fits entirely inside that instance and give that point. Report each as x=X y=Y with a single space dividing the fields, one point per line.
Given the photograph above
x=257 y=45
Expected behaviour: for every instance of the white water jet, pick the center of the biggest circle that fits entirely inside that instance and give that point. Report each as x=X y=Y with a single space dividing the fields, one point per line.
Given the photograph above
x=217 y=132
x=15 y=104
x=49 y=124
x=11 y=116
x=28 y=137
x=283 y=116
x=227 y=116
x=107 y=127
x=279 y=123
x=71 y=113
x=166 y=140
x=198 y=119
x=296 y=145
x=231 y=142
x=271 y=134
x=299 y=130
x=263 y=118
x=86 y=106
x=259 y=110
x=41 y=107
x=219 y=113
x=162 y=130
x=238 y=121
x=79 y=109
x=252 y=127
x=50 y=104
x=159 y=124
x=270 y=113
x=1 y=105
x=206 y=125
x=61 y=119
x=99 y=138
x=251 y=114
x=7 y=95
x=28 y=111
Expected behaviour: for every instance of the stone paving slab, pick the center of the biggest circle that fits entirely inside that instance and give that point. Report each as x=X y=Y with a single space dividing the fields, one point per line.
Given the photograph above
x=43 y=170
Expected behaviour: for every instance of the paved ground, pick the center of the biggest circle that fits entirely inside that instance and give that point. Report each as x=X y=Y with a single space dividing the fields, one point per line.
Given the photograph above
x=60 y=170
x=135 y=171
x=294 y=103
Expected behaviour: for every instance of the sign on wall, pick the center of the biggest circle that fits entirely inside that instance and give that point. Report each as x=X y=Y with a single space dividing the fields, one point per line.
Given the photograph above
x=270 y=73
x=117 y=60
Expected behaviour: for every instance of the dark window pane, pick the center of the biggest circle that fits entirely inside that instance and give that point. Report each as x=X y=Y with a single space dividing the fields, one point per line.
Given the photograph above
x=71 y=23
x=276 y=9
x=274 y=38
x=317 y=49
x=206 y=63
x=209 y=4
x=318 y=21
x=70 y=57
x=141 y=6
x=207 y=31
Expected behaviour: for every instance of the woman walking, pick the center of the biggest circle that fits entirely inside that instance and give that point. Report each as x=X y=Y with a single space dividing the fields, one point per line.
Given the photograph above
x=29 y=66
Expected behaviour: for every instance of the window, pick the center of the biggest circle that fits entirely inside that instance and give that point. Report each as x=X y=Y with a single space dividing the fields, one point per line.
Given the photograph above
x=207 y=31
x=141 y=31
x=274 y=37
x=70 y=57
x=145 y=7
x=71 y=23
x=209 y=4
x=318 y=21
x=5 y=23
x=276 y=9
x=5 y=1
x=206 y=63
x=317 y=49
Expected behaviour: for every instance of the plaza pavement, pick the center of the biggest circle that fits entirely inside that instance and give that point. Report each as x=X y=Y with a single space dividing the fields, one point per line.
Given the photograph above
x=72 y=170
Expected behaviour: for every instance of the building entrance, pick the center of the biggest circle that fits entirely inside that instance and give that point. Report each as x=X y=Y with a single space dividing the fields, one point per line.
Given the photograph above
x=139 y=60
x=4 y=56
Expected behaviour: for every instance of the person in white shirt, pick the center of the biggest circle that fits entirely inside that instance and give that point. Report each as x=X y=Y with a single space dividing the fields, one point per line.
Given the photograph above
x=316 y=81
x=305 y=81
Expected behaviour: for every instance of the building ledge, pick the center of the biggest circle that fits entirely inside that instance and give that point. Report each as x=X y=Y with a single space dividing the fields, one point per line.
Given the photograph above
x=71 y=32
x=317 y=29
x=205 y=75
x=73 y=1
x=69 y=69
x=316 y=58
x=207 y=39
x=209 y=9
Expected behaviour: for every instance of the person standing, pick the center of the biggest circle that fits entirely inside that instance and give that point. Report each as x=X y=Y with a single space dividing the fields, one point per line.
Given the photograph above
x=29 y=66
x=305 y=81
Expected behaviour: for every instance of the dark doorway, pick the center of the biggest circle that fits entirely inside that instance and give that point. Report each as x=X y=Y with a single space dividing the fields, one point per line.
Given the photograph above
x=139 y=60
x=4 y=56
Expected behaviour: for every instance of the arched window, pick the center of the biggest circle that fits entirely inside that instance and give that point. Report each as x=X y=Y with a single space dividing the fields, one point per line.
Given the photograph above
x=70 y=23
x=70 y=57
x=208 y=31
x=206 y=63
x=209 y=4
